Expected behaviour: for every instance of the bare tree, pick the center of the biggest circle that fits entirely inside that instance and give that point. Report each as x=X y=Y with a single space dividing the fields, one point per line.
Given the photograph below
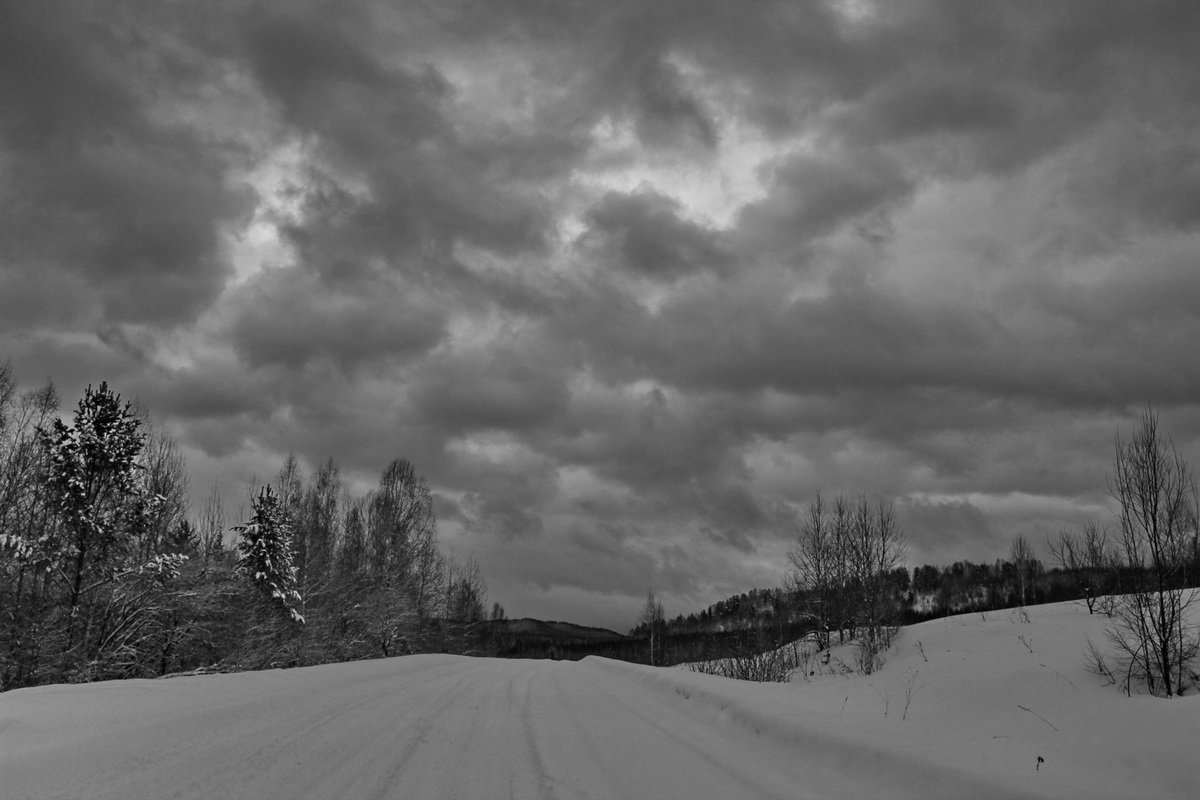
x=27 y=526
x=652 y=618
x=1089 y=559
x=211 y=527
x=844 y=561
x=845 y=599
x=24 y=511
x=465 y=604
x=352 y=547
x=466 y=592
x=813 y=569
x=400 y=560
x=876 y=549
x=1156 y=497
x=1022 y=557
x=318 y=527
x=167 y=480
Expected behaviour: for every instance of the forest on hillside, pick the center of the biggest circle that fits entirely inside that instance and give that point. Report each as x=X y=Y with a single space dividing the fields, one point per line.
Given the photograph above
x=105 y=574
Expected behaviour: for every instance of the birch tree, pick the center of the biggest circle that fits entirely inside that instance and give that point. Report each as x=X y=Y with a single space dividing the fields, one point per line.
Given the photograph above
x=1156 y=509
x=652 y=618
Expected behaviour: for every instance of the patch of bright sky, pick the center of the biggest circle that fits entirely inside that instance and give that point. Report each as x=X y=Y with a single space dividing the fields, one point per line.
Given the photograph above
x=474 y=330
x=853 y=12
x=492 y=447
x=710 y=190
x=170 y=349
x=497 y=88
x=580 y=483
x=249 y=250
x=1016 y=504
x=276 y=180
x=780 y=469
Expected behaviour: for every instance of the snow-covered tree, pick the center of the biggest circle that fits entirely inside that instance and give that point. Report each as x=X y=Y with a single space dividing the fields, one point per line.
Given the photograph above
x=99 y=494
x=265 y=553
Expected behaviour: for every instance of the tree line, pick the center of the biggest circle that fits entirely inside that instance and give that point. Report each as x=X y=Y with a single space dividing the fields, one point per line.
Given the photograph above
x=1142 y=576
x=104 y=573
x=1141 y=573
x=846 y=581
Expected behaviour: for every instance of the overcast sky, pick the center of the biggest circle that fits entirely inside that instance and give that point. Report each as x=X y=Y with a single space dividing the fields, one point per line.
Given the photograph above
x=628 y=282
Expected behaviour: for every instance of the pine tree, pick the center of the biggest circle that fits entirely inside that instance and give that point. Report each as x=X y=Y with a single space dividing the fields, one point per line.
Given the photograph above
x=265 y=553
x=99 y=495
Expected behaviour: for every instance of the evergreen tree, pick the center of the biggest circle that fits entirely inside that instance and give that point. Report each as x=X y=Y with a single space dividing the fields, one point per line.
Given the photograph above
x=265 y=553
x=100 y=497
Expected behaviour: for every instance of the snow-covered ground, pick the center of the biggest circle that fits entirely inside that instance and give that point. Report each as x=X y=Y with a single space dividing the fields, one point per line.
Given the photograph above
x=988 y=695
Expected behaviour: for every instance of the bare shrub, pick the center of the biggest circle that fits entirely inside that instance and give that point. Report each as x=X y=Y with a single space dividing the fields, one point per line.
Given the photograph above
x=1097 y=664
x=886 y=696
x=911 y=688
x=773 y=666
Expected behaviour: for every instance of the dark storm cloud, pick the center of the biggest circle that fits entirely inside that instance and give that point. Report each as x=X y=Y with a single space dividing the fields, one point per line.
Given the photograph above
x=947 y=530
x=504 y=389
x=287 y=317
x=645 y=440
x=643 y=232
x=327 y=80
x=213 y=392
x=666 y=114
x=859 y=337
x=812 y=195
x=102 y=195
x=505 y=510
x=956 y=246
x=383 y=125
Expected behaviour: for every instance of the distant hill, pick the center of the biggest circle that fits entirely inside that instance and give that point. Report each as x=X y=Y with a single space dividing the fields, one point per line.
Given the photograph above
x=551 y=629
x=536 y=638
x=721 y=638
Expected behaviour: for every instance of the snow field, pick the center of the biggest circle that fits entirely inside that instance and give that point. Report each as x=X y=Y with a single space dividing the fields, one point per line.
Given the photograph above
x=990 y=694
x=987 y=695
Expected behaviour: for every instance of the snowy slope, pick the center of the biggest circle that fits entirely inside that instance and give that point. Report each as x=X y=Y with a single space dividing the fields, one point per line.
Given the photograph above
x=985 y=707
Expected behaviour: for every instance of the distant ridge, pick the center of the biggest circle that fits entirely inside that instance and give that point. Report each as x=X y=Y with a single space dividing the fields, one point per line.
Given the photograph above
x=527 y=627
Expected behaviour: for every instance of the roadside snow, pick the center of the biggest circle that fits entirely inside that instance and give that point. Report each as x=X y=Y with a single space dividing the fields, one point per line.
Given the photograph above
x=990 y=695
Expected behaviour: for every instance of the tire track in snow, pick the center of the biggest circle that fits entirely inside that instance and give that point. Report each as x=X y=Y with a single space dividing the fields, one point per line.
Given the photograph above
x=533 y=754
x=426 y=717
x=345 y=741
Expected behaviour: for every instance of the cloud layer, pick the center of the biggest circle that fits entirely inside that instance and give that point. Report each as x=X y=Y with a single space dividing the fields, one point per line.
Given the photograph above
x=628 y=282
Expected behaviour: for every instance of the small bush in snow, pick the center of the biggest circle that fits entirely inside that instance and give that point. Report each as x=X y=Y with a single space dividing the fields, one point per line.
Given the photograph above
x=773 y=666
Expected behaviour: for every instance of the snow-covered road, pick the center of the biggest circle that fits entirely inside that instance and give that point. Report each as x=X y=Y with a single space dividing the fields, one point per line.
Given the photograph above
x=430 y=727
